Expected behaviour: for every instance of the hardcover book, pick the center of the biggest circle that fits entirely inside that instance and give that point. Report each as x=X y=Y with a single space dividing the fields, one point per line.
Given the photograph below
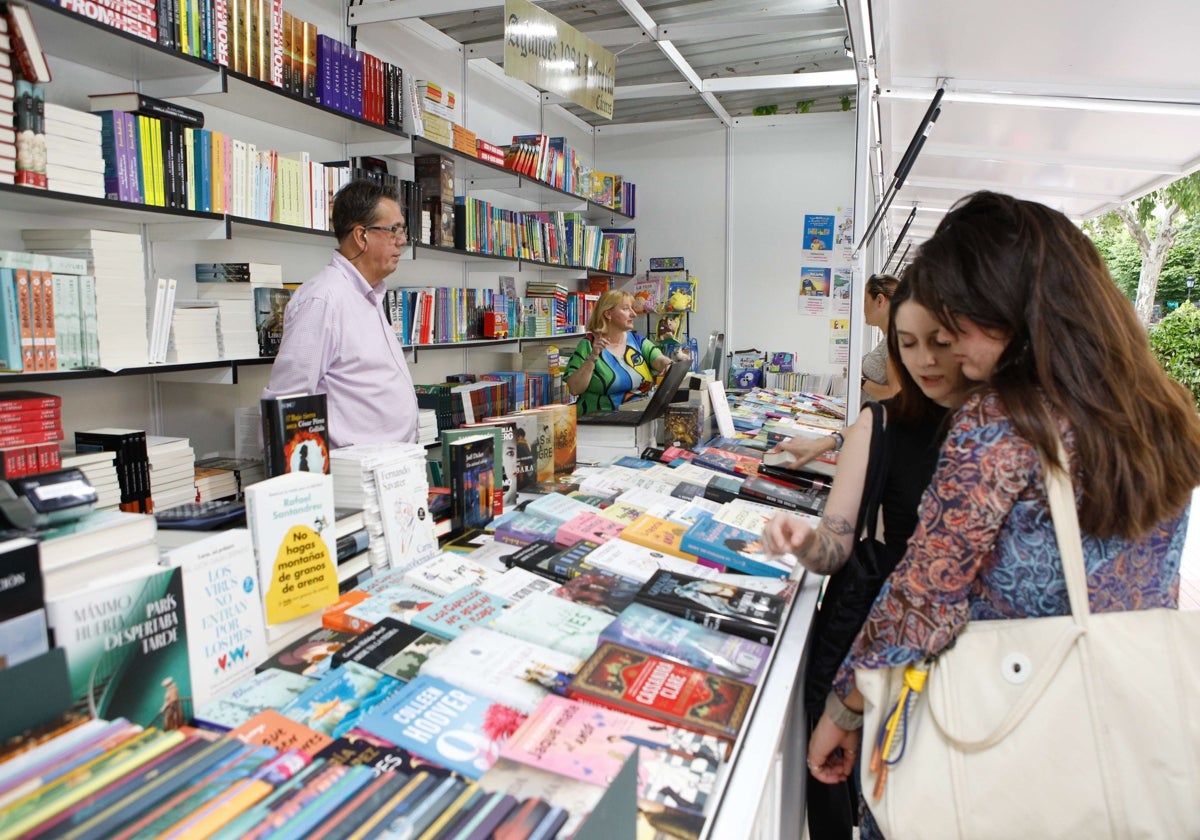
x=511 y=671
x=291 y=520
x=680 y=640
x=715 y=604
x=226 y=633
x=334 y=704
x=127 y=646
x=787 y=496
x=445 y=724
x=642 y=684
x=551 y=621
x=268 y=689
x=295 y=434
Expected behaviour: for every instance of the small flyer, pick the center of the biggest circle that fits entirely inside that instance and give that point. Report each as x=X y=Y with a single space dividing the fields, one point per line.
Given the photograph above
x=839 y=341
x=814 y=281
x=818 y=232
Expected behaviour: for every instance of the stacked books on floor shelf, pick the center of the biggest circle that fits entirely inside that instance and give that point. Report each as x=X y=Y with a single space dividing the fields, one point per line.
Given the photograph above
x=510 y=679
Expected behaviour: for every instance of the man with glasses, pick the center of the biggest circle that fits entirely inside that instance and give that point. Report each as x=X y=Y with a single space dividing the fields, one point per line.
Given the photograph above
x=336 y=338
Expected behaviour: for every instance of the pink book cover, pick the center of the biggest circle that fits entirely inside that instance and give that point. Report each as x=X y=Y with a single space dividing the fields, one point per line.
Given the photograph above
x=587 y=526
x=591 y=743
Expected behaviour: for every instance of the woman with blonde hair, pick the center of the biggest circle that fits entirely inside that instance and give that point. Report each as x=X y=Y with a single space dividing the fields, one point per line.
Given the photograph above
x=612 y=363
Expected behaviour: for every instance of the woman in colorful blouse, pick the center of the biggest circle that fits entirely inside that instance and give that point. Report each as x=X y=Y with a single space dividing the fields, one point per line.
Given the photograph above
x=613 y=363
x=1029 y=307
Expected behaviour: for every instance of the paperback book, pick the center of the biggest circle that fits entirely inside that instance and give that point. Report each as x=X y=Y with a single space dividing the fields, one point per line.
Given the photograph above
x=445 y=724
x=127 y=646
x=717 y=605
x=642 y=684
x=735 y=548
x=467 y=607
x=680 y=640
x=295 y=434
x=311 y=655
x=271 y=688
x=226 y=634
x=511 y=671
x=471 y=470
x=334 y=704
x=551 y=621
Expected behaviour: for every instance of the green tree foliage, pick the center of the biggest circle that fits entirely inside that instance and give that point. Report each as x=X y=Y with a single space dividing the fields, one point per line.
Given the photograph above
x=1124 y=258
x=1175 y=342
x=1154 y=221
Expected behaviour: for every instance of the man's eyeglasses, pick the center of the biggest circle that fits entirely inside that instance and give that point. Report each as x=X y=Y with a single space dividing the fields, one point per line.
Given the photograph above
x=396 y=230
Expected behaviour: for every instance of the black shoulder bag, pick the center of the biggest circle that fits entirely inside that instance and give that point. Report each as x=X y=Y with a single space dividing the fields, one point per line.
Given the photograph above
x=852 y=589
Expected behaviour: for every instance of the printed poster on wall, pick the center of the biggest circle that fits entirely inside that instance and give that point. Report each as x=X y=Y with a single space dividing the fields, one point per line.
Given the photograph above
x=839 y=341
x=818 y=232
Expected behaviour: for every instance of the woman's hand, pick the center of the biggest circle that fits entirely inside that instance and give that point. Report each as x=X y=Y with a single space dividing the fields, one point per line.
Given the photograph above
x=786 y=534
x=803 y=449
x=599 y=344
x=832 y=751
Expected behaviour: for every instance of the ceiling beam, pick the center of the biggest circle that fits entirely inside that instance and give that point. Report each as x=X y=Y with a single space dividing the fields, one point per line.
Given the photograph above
x=653 y=91
x=969 y=185
x=1069 y=103
x=715 y=28
x=1017 y=87
x=783 y=81
x=1048 y=158
x=378 y=11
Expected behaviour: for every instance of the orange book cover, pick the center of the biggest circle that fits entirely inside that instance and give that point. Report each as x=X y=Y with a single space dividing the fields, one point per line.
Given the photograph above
x=49 y=334
x=37 y=304
x=657 y=534
x=335 y=618
x=25 y=313
x=269 y=728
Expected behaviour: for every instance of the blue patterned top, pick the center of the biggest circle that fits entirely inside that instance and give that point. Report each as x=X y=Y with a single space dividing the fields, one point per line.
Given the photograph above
x=985 y=549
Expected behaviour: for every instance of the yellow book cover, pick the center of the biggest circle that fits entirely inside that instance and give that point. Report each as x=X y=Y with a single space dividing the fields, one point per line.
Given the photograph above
x=216 y=156
x=657 y=534
x=218 y=813
x=189 y=145
x=622 y=513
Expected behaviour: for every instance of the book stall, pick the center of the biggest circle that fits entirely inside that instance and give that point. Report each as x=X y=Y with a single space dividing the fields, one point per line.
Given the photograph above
x=601 y=646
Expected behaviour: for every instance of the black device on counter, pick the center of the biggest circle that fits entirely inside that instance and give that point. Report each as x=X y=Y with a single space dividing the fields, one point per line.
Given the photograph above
x=50 y=498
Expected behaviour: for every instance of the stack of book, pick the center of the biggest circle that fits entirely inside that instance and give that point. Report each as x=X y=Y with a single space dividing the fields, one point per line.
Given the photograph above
x=117 y=263
x=100 y=469
x=427 y=427
x=172 y=470
x=212 y=483
x=30 y=431
x=74 y=163
x=388 y=482
x=194 y=335
x=438 y=109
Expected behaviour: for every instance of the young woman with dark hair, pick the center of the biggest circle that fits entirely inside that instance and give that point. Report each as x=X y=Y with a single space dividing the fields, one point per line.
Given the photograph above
x=1029 y=308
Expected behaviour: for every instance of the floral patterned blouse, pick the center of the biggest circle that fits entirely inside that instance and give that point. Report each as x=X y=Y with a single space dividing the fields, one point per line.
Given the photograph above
x=985 y=549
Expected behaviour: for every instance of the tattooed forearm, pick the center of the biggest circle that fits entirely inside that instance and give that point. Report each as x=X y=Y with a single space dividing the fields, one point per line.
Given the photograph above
x=828 y=552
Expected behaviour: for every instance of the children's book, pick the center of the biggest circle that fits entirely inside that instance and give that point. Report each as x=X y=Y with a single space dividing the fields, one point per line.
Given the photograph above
x=551 y=621
x=270 y=688
x=588 y=525
x=445 y=724
x=680 y=640
x=226 y=634
x=718 y=605
x=126 y=640
x=642 y=684
x=334 y=703
x=514 y=672
x=466 y=607
x=735 y=548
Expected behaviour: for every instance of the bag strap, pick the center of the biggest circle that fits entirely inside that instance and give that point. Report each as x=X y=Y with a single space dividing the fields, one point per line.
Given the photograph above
x=1061 y=497
x=868 y=508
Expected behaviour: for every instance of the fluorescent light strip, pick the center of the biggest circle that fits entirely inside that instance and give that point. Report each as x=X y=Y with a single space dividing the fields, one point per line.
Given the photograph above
x=1116 y=106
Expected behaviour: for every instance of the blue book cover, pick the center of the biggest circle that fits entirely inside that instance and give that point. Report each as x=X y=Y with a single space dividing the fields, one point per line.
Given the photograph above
x=466 y=607
x=735 y=548
x=336 y=702
x=444 y=724
x=271 y=688
x=523 y=528
x=10 y=323
x=681 y=640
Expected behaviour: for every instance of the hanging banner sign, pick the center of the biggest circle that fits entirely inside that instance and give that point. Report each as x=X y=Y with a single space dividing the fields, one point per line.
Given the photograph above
x=545 y=52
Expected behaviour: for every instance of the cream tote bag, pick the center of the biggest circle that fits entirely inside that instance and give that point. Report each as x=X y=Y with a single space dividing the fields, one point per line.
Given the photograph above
x=1077 y=726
